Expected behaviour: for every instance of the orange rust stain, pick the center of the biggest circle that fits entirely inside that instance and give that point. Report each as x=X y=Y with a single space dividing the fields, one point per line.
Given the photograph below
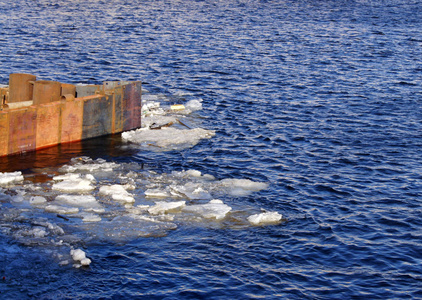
x=71 y=120
x=22 y=129
x=48 y=125
x=4 y=133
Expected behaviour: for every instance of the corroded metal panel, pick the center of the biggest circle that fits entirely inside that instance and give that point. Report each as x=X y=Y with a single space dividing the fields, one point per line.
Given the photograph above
x=132 y=106
x=22 y=129
x=48 y=124
x=4 y=133
x=118 y=110
x=97 y=118
x=87 y=90
x=71 y=120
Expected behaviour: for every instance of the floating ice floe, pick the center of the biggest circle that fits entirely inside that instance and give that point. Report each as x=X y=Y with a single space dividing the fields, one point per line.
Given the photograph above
x=79 y=256
x=242 y=187
x=117 y=193
x=191 y=190
x=162 y=207
x=265 y=218
x=73 y=183
x=37 y=200
x=157 y=193
x=168 y=138
x=87 y=201
x=194 y=104
x=10 y=178
x=215 y=209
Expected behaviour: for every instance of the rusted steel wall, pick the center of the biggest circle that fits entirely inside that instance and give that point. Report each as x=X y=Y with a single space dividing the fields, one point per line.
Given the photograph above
x=22 y=129
x=4 y=133
x=48 y=124
x=72 y=115
x=71 y=119
x=131 y=106
x=118 y=110
x=97 y=116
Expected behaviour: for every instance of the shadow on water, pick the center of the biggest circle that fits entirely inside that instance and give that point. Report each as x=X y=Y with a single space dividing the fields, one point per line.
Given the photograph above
x=103 y=147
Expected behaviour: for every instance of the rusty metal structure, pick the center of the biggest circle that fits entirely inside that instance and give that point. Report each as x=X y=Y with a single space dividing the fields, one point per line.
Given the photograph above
x=36 y=114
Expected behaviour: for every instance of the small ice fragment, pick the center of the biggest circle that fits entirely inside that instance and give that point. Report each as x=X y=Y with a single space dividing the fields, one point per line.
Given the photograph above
x=193 y=173
x=215 y=209
x=191 y=190
x=88 y=217
x=156 y=193
x=117 y=192
x=74 y=185
x=163 y=207
x=68 y=176
x=242 y=187
x=79 y=255
x=194 y=105
x=87 y=201
x=11 y=177
x=37 y=200
x=265 y=218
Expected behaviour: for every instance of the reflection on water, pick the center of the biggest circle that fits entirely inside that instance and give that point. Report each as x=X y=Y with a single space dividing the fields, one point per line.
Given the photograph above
x=29 y=162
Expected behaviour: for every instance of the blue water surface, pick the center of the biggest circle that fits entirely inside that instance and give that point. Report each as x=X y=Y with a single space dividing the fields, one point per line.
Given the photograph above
x=321 y=99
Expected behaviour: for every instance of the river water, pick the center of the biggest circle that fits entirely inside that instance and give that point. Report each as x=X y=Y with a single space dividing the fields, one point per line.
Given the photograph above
x=317 y=113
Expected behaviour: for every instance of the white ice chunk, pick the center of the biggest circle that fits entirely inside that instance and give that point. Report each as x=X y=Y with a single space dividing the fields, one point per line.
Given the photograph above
x=265 y=218
x=87 y=201
x=88 y=217
x=11 y=177
x=168 y=138
x=85 y=262
x=74 y=184
x=79 y=255
x=164 y=207
x=68 y=176
x=34 y=200
x=242 y=187
x=194 y=105
x=117 y=192
x=194 y=173
x=191 y=190
x=156 y=193
x=215 y=209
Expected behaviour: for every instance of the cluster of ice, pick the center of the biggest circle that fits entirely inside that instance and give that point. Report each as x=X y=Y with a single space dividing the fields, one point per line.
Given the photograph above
x=168 y=128
x=10 y=178
x=93 y=205
x=80 y=258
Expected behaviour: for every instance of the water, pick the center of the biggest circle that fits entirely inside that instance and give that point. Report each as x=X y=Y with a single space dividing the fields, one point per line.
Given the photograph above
x=319 y=99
